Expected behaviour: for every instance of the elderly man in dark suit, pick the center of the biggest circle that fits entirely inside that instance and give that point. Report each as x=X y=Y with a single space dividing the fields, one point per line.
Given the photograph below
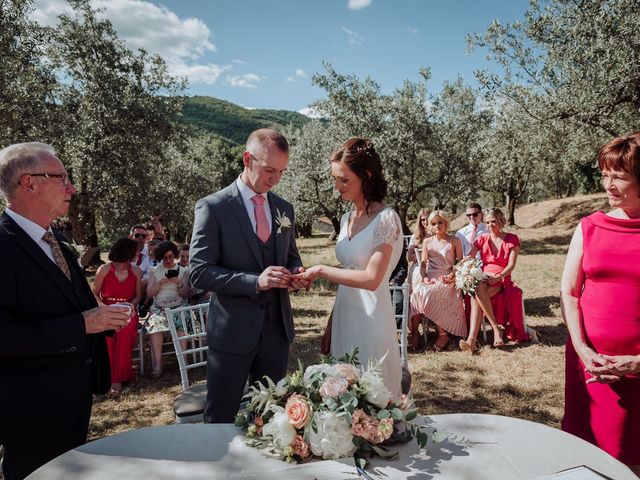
x=244 y=250
x=52 y=349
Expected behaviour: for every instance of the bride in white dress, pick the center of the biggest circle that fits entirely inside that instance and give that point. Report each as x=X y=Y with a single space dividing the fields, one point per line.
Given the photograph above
x=368 y=247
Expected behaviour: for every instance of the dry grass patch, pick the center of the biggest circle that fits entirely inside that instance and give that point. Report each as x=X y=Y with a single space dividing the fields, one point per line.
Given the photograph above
x=521 y=381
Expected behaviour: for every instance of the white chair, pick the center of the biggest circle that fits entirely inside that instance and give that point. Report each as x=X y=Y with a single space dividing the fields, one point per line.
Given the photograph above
x=396 y=290
x=190 y=344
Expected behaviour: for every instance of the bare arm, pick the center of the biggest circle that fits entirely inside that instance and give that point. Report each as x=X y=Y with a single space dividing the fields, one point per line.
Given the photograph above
x=99 y=280
x=369 y=279
x=570 y=292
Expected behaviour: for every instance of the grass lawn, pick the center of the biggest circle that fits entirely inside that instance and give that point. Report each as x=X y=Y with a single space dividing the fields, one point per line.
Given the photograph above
x=524 y=381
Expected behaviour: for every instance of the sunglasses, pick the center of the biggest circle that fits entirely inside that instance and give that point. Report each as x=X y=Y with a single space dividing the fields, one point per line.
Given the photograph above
x=139 y=235
x=473 y=215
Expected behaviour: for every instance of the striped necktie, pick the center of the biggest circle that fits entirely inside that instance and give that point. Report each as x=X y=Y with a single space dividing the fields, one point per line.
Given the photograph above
x=57 y=254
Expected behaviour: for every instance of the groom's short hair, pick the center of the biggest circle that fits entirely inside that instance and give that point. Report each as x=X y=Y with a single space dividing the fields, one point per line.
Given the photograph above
x=265 y=136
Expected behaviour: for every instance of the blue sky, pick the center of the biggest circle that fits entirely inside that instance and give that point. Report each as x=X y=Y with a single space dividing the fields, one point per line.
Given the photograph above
x=262 y=54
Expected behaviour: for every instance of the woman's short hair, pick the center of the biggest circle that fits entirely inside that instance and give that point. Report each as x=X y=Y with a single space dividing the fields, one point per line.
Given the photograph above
x=123 y=250
x=363 y=160
x=443 y=215
x=421 y=231
x=497 y=213
x=164 y=247
x=622 y=154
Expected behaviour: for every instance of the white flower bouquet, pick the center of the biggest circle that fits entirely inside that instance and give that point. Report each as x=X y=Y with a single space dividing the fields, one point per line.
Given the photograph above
x=330 y=410
x=469 y=274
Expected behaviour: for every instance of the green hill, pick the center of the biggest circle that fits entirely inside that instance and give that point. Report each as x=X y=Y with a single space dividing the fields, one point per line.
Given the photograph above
x=232 y=121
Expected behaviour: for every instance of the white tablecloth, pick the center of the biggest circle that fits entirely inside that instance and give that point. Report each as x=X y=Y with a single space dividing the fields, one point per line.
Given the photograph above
x=476 y=447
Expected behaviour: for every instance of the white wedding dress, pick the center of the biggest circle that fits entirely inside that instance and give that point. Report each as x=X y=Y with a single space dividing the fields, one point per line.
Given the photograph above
x=364 y=319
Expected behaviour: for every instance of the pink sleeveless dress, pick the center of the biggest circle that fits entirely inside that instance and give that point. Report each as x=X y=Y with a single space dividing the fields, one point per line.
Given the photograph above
x=607 y=415
x=120 y=346
x=440 y=302
x=507 y=305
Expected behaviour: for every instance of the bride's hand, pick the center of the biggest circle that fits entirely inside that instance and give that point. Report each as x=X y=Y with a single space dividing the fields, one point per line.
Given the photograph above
x=296 y=284
x=308 y=275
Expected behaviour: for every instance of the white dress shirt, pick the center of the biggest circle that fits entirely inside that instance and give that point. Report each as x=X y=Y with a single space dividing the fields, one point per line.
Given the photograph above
x=34 y=230
x=247 y=194
x=146 y=261
x=465 y=234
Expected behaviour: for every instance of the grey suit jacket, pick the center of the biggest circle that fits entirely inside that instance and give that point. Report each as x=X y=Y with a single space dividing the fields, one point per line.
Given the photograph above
x=225 y=258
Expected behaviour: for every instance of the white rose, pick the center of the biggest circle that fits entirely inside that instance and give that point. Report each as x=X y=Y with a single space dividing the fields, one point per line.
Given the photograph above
x=375 y=390
x=328 y=370
x=280 y=430
x=333 y=438
x=476 y=272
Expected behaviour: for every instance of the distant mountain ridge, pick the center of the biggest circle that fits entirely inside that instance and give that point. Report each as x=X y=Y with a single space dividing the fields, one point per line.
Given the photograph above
x=233 y=122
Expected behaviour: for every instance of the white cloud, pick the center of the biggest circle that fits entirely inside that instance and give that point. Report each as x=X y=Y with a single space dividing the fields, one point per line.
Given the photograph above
x=353 y=37
x=310 y=112
x=359 y=4
x=412 y=30
x=247 y=80
x=142 y=24
x=240 y=62
x=300 y=73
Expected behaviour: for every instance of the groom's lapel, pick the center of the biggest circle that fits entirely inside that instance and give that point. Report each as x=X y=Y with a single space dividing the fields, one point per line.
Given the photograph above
x=280 y=244
x=241 y=216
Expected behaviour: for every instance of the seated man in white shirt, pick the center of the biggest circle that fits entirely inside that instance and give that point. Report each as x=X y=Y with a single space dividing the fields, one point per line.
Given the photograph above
x=475 y=228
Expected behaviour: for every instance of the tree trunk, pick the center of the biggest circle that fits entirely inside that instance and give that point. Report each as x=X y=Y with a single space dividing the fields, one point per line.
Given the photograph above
x=304 y=230
x=510 y=207
x=335 y=221
x=83 y=221
x=402 y=213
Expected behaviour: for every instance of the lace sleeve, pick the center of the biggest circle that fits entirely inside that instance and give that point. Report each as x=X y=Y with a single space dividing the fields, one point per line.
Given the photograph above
x=388 y=229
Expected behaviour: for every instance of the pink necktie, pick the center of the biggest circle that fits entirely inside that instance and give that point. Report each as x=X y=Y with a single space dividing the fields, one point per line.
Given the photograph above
x=262 y=226
x=474 y=233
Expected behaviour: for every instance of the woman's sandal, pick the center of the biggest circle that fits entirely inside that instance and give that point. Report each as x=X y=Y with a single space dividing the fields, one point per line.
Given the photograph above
x=470 y=346
x=498 y=342
x=114 y=391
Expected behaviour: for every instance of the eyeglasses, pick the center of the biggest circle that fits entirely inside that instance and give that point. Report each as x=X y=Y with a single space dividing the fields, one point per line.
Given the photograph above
x=63 y=176
x=139 y=235
x=472 y=215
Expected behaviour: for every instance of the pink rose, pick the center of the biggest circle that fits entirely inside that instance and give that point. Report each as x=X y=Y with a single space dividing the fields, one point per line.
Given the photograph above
x=300 y=447
x=385 y=428
x=361 y=423
x=259 y=423
x=334 y=387
x=351 y=373
x=298 y=410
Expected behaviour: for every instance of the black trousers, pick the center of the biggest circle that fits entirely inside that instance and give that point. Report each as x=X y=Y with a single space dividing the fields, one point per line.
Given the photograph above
x=227 y=372
x=22 y=458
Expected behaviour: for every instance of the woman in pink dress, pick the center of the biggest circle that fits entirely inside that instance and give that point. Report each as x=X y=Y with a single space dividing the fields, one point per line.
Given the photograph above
x=498 y=297
x=117 y=282
x=600 y=301
x=436 y=296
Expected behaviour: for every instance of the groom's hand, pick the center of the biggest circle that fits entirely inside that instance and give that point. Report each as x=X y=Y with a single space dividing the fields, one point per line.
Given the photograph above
x=274 y=277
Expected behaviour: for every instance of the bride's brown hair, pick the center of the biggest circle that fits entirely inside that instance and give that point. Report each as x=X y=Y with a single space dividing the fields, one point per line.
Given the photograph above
x=363 y=160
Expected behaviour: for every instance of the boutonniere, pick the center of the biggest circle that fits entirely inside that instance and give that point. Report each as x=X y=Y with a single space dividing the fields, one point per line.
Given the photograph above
x=283 y=221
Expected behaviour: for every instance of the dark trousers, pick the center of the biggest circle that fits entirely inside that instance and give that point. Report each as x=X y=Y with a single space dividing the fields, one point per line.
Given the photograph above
x=22 y=458
x=227 y=372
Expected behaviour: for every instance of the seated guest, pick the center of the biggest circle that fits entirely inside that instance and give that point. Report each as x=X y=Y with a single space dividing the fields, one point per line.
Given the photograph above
x=415 y=242
x=142 y=260
x=473 y=229
x=117 y=282
x=169 y=287
x=196 y=296
x=436 y=297
x=499 y=252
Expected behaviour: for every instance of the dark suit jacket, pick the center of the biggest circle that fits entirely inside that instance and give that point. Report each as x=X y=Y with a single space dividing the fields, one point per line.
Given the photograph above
x=225 y=259
x=47 y=361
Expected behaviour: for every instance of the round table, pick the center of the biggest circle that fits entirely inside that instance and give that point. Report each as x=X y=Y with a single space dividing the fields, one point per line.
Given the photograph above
x=475 y=446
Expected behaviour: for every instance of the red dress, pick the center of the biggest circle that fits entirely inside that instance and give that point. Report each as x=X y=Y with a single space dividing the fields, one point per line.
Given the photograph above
x=122 y=342
x=507 y=305
x=607 y=415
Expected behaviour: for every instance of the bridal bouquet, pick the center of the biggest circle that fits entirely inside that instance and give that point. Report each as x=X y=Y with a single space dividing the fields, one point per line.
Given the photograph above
x=329 y=410
x=469 y=274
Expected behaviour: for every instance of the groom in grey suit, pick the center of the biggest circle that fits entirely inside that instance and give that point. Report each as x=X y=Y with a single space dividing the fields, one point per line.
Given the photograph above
x=243 y=249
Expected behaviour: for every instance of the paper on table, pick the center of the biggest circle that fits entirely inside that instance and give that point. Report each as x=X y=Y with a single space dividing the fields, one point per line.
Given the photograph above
x=577 y=473
x=326 y=470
